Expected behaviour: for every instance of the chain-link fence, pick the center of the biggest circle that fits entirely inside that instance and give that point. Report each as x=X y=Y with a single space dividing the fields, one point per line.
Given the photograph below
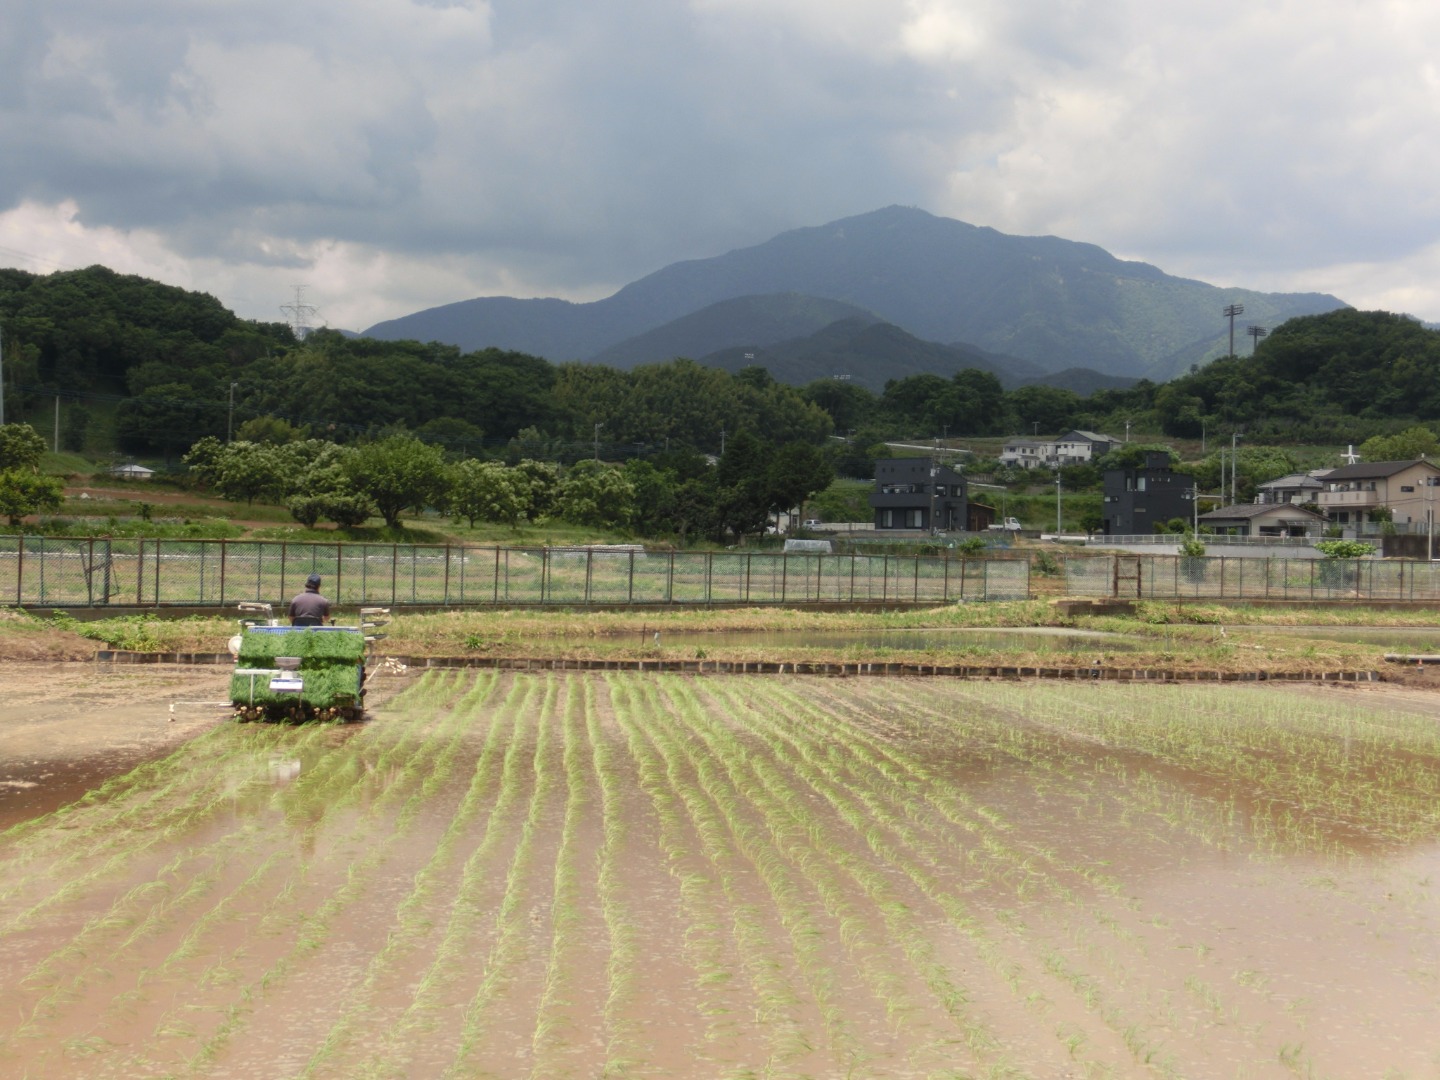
x=1180 y=576
x=46 y=570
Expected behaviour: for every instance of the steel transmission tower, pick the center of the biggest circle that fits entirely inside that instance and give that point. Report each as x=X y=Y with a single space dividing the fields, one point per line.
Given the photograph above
x=298 y=313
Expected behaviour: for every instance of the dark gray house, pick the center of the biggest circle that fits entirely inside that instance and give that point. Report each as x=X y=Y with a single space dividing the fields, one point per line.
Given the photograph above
x=1136 y=498
x=918 y=493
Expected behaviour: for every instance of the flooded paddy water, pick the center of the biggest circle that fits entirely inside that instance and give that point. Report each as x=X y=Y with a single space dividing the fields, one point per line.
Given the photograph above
x=549 y=875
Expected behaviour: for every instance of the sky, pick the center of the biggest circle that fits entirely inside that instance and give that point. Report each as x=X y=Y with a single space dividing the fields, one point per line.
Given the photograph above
x=393 y=155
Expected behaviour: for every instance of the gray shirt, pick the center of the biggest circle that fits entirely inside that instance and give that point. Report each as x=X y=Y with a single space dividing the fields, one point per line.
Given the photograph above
x=310 y=606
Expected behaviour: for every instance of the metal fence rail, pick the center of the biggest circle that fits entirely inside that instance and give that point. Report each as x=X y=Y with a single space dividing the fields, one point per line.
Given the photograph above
x=1172 y=577
x=100 y=571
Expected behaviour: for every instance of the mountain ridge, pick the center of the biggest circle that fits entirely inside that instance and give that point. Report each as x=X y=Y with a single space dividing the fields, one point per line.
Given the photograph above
x=1054 y=302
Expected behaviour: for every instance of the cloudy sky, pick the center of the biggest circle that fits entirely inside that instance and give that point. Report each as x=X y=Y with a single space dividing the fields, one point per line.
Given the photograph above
x=396 y=154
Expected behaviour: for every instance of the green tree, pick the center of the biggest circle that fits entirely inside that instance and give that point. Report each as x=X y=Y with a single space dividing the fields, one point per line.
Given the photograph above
x=397 y=472
x=21 y=447
x=24 y=491
x=542 y=482
x=1414 y=442
x=596 y=494
x=487 y=490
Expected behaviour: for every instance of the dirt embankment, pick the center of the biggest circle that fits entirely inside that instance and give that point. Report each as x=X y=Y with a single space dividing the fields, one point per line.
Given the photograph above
x=24 y=638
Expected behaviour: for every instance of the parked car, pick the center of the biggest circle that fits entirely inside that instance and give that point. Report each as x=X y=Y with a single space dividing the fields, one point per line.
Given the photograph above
x=1010 y=524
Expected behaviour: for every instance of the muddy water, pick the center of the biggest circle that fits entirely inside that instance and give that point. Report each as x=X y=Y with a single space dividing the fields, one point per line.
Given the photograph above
x=568 y=875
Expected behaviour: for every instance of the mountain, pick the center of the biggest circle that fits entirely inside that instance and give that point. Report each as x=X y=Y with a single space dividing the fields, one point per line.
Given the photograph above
x=744 y=323
x=868 y=353
x=1054 y=302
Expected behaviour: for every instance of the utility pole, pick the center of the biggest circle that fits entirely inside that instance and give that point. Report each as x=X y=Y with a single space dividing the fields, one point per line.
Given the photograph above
x=1234 y=463
x=230 y=417
x=1256 y=332
x=598 y=426
x=57 y=423
x=1058 y=529
x=1127 y=431
x=722 y=440
x=1231 y=310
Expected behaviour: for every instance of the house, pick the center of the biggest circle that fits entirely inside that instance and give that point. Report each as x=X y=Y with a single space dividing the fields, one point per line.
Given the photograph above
x=1082 y=447
x=131 y=472
x=1027 y=453
x=1264 y=519
x=1137 y=497
x=1409 y=489
x=918 y=493
x=1296 y=488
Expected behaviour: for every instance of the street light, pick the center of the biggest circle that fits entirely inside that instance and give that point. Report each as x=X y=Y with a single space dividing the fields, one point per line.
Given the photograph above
x=1230 y=311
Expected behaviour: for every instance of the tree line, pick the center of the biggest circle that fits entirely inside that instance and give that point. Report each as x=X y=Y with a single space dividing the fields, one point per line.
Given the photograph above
x=679 y=492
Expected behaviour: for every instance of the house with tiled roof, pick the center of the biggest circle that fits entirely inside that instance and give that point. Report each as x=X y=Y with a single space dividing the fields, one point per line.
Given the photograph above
x=1264 y=519
x=1410 y=490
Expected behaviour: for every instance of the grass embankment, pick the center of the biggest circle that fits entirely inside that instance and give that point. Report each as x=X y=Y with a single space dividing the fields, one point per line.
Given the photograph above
x=1208 y=638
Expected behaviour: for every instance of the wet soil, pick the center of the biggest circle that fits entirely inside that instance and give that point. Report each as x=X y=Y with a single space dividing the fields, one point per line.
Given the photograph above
x=66 y=728
x=560 y=874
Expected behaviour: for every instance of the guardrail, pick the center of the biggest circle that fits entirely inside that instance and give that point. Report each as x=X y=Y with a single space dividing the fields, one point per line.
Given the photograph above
x=38 y=570
x=1208 y=539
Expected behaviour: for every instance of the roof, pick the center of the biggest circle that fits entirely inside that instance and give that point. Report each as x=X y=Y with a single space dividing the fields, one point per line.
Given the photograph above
x=1294 y=480
x=1027 y=441
x=1254 y=510
x=134 y=470
x=1367 y=470
x=1088 y=436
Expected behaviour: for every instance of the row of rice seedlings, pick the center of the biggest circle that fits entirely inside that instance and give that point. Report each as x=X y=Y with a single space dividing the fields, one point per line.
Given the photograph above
x=456 y=947
x=510 y=920
x=127 y=911
x=552 y=1024
x=1293 y=754
x=412 y=919
x=922 y=868
x=708 y=948
x=782 y=860
x=822 y=859
x=729 y=842
x=622 y=976
x=286 y=912
x=1178 y=810
x=186 y=785
x=889 y=830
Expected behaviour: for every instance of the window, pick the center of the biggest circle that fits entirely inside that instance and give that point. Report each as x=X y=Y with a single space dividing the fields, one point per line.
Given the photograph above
x=887 y=519
x=914 y=519
x=1407 y=487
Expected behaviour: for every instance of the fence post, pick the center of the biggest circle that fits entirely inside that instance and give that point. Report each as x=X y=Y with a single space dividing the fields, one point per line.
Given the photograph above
x=20 y=569
x=915 y=585
x=945 y=591
x=709 y=573
x=159 y=548
x=223 y=551
x=630 y=586
x=589 y=572
x=784 y=577
x=90 y=575
x=884 y=576
x=139 y=570
x=284 y=558
x=339 y=566
x=670 y=581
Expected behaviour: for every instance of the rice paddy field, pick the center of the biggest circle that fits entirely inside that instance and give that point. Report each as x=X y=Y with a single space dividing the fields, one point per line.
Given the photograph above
x=638 y=875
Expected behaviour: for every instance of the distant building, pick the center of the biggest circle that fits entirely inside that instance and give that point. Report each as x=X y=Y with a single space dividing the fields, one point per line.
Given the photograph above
x=1410 y=489
x=1136 y=498
x=131 y=472
x=1296 y=488
x=918 y=493
x=1264 y=519
x=1073 y=448
x=1083 y=447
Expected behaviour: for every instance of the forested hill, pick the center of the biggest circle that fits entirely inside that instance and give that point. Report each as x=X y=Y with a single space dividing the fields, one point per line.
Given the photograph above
x=97 y=331
x=1315 y=377
x=1056 y=303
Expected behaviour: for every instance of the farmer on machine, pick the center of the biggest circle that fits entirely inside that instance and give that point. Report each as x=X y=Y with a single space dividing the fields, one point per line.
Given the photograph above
x=310 y=608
